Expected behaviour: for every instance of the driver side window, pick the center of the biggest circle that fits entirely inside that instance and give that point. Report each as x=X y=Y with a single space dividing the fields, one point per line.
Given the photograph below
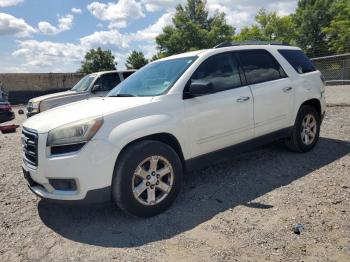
x=221 y=70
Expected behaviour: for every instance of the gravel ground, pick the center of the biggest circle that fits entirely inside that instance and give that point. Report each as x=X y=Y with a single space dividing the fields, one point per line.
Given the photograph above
x=240 y=210
x=338 y=95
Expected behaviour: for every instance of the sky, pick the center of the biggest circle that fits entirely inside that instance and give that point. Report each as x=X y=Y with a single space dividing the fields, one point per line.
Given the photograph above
x=54 y=35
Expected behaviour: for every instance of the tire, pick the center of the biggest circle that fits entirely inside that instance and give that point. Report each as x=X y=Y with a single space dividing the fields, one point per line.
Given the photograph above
x=298 y=142
x=137 y=159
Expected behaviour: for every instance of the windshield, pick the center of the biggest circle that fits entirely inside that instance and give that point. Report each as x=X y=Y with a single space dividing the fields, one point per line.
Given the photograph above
x=84 y=83
x=154 y=79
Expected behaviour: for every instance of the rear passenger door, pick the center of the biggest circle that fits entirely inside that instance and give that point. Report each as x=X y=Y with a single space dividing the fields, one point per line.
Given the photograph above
x=272 y=90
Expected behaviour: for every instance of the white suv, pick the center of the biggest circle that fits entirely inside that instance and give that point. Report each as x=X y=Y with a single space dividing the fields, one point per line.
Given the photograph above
x=173 y=115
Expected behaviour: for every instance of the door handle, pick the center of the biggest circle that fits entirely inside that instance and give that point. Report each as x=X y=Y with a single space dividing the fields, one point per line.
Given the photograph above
x=287 y=89
x=242 y=99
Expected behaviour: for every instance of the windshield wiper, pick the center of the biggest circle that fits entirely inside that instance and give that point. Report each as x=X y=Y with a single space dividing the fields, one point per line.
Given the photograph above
x=123 y=95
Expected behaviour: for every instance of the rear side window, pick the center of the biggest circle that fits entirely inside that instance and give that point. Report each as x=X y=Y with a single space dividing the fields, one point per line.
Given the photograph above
x=298 y=60
x=260 y=66
x=221 y=70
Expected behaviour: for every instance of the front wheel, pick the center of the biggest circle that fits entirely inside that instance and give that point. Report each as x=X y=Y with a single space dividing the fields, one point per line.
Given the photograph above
x=306 y=130
x=147 y=178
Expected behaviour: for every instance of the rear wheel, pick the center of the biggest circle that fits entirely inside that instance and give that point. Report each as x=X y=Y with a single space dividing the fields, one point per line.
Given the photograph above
x=306 y=130
x=147 y=178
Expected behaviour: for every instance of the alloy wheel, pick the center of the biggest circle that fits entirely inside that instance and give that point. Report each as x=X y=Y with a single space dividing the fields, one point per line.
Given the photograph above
x=152 y=180
x=309 y=129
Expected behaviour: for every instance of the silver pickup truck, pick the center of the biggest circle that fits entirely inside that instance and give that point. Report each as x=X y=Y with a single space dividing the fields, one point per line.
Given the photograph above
x=96 y=84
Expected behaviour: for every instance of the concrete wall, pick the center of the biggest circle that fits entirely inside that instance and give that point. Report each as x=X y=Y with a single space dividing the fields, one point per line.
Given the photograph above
x=22 y=87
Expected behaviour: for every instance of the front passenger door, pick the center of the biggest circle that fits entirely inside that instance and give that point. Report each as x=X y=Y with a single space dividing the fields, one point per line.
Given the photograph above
x=222 y=119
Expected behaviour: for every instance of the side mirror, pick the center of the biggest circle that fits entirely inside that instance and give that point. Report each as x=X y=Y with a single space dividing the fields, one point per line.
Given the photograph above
x=200 y=88
x=95 y=88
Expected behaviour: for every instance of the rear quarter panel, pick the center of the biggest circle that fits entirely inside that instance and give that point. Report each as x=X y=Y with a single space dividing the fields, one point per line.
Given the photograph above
x=307 y=86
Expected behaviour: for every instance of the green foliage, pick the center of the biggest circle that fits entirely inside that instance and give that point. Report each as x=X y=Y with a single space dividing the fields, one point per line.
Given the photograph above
x=193 y=29
x=97 y=60
x=338 y=31
x=270 y=27
x=136 y=60
x=158 y=56
x=311 y=17
x=250 y=33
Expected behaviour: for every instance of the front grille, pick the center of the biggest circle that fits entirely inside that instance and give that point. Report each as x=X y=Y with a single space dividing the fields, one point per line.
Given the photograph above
x=30 y=146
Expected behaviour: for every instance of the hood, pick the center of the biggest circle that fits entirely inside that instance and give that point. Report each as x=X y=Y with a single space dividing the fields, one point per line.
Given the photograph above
x=54 y=95
x=56 y=117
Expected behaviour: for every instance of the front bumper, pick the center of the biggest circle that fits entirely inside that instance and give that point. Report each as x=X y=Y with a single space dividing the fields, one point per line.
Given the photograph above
x=91 y=168
x=92 y=196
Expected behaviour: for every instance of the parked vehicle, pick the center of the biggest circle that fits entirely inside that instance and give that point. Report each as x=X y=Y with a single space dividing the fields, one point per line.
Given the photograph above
x=96 y=84
x=171 y=116
x=6 y=113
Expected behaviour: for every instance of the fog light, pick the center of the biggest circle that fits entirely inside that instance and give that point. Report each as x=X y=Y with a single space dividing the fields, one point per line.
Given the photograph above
x=63 y=184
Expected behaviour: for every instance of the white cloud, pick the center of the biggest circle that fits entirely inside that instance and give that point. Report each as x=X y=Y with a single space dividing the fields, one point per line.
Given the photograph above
x=56 y=57
x=156 y=5
x=48 y=56
x=10 y=25
x=112 y=39
x=5 y=3
x=76 y=10
x=118 y=14
x=149 y=33
x=64 y=24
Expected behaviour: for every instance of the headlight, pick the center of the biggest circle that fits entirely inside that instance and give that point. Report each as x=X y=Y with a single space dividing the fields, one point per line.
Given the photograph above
x=74 y=133
x=33 y=107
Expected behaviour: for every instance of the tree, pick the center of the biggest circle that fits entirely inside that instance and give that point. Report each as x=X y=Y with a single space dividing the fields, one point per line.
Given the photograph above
x=338 y=32
x=250 y=33
x=269 y=27
x=311 y=17
x=193 y=29
x=97 y=60
x=136 y=60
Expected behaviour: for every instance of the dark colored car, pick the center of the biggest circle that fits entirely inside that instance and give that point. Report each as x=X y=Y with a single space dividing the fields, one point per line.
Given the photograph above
x=6 y=113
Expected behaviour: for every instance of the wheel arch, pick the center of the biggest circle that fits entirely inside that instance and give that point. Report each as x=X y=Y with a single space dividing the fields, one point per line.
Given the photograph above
x=315 y=103
x=165 y=138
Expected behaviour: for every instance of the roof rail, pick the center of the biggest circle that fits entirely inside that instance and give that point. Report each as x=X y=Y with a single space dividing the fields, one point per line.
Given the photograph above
x=235 y=43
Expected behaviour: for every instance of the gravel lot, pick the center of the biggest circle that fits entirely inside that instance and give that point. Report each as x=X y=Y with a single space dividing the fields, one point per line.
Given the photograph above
x=240 y=210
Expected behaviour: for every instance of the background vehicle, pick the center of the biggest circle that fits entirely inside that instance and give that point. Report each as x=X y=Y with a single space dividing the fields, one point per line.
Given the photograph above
x=173 y=115
x=6 y=113
x=96 y=84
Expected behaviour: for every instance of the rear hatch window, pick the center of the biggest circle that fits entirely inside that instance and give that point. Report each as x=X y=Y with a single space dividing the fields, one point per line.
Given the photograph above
x=298 y=60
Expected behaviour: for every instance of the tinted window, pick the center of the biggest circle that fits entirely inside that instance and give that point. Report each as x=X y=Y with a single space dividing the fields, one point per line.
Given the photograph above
x=221 y=70
x=298 y=60
x=260 y=66
x=108 y=81
x=127 y=74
